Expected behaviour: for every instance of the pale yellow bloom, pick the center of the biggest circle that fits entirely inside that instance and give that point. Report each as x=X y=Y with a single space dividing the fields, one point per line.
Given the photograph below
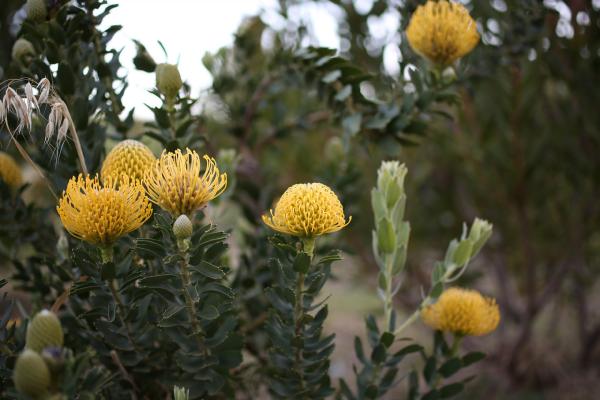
x=442 y=32
x=101 y=214
x=307 y=210
x=463 y=312
x=129 y=157
x=175 y=184
x=10 y=172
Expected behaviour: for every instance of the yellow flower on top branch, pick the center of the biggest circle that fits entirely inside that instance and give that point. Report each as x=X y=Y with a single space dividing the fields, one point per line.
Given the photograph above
x=175 y=184
x=463 y=312
x=100 y=214
x=307 y=210
x=442 y=32
x=129 y=157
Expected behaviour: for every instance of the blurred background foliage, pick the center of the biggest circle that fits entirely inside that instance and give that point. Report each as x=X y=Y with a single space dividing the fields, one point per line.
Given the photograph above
x=512 y=135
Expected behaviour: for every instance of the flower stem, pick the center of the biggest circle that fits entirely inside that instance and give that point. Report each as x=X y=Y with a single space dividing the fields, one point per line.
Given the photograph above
x=121 y=312
x=299 y=317
x=186 y=282
x=387 y=303
x=170 y=106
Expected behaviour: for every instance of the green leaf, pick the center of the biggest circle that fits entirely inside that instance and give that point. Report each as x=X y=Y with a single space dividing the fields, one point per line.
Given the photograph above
x=301 y=263
x=450 y=367
x=438 y=272
x=436 y=290
x=451 y=390
x=431 y=395
x=344 y=93
x=430 y=369
x=386 y=236
x=462 y=254
x=209 y=313
x=379 y=353
x=387 y=338
x=358 y=349
x=65 y=79
x=472 y=358
x=332 y=76
x=352 y=124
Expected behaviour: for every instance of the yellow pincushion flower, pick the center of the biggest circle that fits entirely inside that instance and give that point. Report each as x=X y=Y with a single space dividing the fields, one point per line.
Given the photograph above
x=463 y=312
x=442 y=32
x=101 y=214
x=307 y=210
x=129 y=157
x=10 y=171
x=174 y=182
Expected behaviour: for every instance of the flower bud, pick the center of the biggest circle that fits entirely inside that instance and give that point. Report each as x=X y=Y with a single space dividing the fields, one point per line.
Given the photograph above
x=44 y=331
x=390 y=180
x=36 y=10
x=182 y=228
x=23 y=51
x=181 y=393
x=31 y=375
x=168 y=80
x=480 y=232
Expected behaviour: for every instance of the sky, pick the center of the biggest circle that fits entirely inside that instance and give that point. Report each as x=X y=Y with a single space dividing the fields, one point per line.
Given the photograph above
x=189 y=29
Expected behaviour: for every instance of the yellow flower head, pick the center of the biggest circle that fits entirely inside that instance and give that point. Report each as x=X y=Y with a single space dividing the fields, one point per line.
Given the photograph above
x=307 y=210
x=101 y=214
x=10 y=171
x=174 y=182
x=129 y=157
x=463 y=312
x=442 y=32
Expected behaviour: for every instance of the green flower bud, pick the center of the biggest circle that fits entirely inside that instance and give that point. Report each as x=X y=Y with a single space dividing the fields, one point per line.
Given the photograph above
x=449 y=75
x=168 y=80
x=36 y=10
x=480 y=232
x=390 y=180
x=23 y=51
x=182 y=228
x=181 y=393
x=31 y=375
x=43 y=331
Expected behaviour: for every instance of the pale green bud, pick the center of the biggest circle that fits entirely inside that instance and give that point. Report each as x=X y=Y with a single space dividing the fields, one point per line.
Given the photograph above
x=480 y=232
x=449 y=75
x=181 y=393
x=23 y=51
x=36 y=10
x=390 y=180
x=168 y=80
x=31 y=375
x=182 y=228
x=44 y=331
